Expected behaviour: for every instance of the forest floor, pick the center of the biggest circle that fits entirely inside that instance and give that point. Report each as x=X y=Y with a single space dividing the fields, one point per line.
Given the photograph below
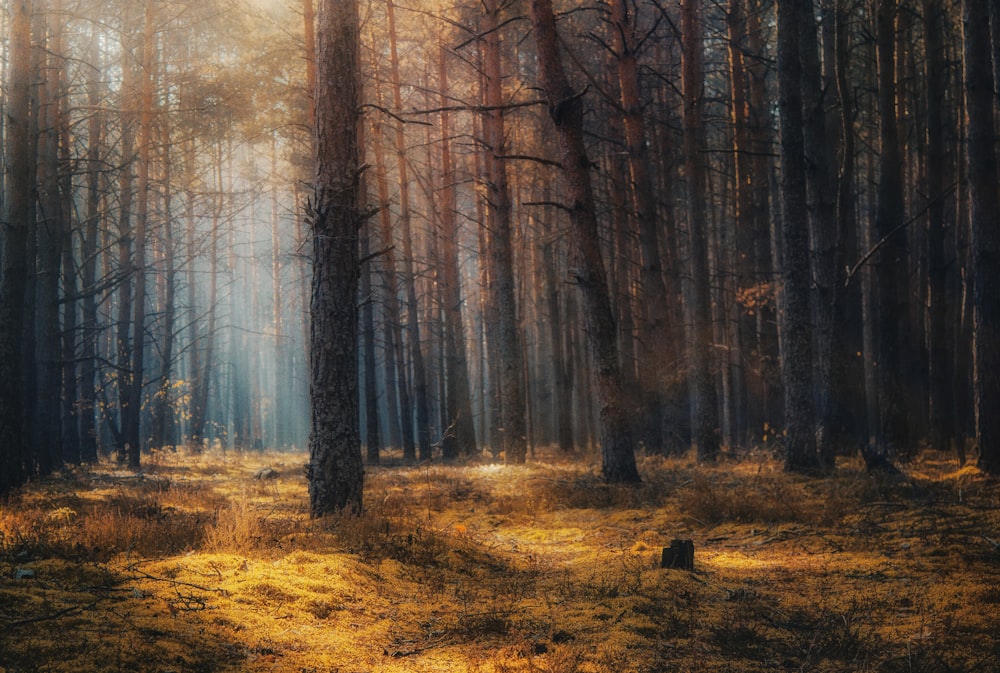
x=195 y=565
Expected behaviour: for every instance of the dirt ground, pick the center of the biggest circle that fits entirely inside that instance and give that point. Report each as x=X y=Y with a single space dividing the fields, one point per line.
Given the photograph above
x=196 y=565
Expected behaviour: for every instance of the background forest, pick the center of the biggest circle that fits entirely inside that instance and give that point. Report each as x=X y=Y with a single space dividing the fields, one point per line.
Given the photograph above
x=809 y=266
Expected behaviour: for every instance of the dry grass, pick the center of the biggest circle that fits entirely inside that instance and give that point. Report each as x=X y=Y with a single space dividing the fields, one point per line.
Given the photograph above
x=196 y=566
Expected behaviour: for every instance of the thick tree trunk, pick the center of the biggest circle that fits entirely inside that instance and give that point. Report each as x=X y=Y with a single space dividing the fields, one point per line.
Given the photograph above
x=891 y=426
x=740 y=321
x=794 y=314
x=126 y=194
x=985 y=219
x=566 y=112
x=88 y=254
x=335 y=470
x=13 y=262
x=131 y=430
x=46 y=410
x=655 y=349
x=822 y=205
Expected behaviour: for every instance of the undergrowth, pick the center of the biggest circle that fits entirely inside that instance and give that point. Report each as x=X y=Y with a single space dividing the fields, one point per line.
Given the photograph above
x=195 y=565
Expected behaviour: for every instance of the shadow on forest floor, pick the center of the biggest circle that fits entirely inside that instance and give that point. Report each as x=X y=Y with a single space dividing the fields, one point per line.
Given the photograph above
x=195 y=565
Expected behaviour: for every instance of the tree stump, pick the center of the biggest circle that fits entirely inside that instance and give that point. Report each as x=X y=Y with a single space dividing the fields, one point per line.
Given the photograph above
x=679 y=555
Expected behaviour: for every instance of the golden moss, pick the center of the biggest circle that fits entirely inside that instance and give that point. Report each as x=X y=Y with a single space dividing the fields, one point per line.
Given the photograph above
x=501 y=569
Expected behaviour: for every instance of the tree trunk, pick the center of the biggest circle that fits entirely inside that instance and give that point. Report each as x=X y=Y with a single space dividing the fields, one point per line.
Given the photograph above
x=46 y=409
x=400 y=422
x=940 y=421
x=562 y=392
x=88 y=253
x=655 y=349
x=891 y=427
x=13 y=263
x=335 y=470
x=704 y=407
x=459 y=436
x=566 y=112
x=409 y=277
x=162 y=432
x=985 y=220
x=131 y=431
x=794 y=315
x=373 y=435
x=125 y=236
x=740 y=320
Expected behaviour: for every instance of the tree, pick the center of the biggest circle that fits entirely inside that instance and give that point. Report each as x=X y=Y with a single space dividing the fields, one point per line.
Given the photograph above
x=409 y=279
x=459 y=434
x=335 y=470
x=985 y=218
x=704 y=408
x=510 y=363
x=566 y=112
x=655 y=349
x=794 y=316
x=13 y=247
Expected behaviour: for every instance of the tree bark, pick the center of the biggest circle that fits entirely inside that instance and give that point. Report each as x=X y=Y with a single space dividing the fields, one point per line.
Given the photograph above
x=940 y=421
x=510 y=363
x=704 y=406
x=13 y=263
x=822 y=207
x=655 y=350
x=891 y=426
x=459 y=436
x=566 y=112
x=335 y=470
x=985 y=220
x=794 y=313
x=88 y=253
x=46 y=410
x=409 y=277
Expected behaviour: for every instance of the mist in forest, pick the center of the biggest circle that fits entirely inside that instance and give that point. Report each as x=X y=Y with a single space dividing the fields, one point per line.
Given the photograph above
x=632 y=228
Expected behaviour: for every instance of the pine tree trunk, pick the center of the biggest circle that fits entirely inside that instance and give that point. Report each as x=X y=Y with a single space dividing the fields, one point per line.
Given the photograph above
x=510 y=363
x=940 y=421
x=459 y=436
x=88 y=254
x=566 y=112
x=655 y=350
x=46 y=412
x=13 y=263
x=985 y=220
x=335 y=470
x=400 y=418
x=126 y=194
x=891 y=426
x=822 y=207
x=704 y=406
x=794 y=313
x=131 y=430
x=409 y=277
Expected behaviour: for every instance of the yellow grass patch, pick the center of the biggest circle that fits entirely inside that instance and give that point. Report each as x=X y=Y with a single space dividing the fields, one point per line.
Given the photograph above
x=196 y=566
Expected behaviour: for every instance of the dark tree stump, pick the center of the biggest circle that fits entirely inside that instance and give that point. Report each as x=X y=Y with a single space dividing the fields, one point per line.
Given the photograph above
x=679 y=555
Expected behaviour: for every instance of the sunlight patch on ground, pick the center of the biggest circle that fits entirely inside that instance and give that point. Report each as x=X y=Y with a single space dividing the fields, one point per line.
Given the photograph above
x=196 y=565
